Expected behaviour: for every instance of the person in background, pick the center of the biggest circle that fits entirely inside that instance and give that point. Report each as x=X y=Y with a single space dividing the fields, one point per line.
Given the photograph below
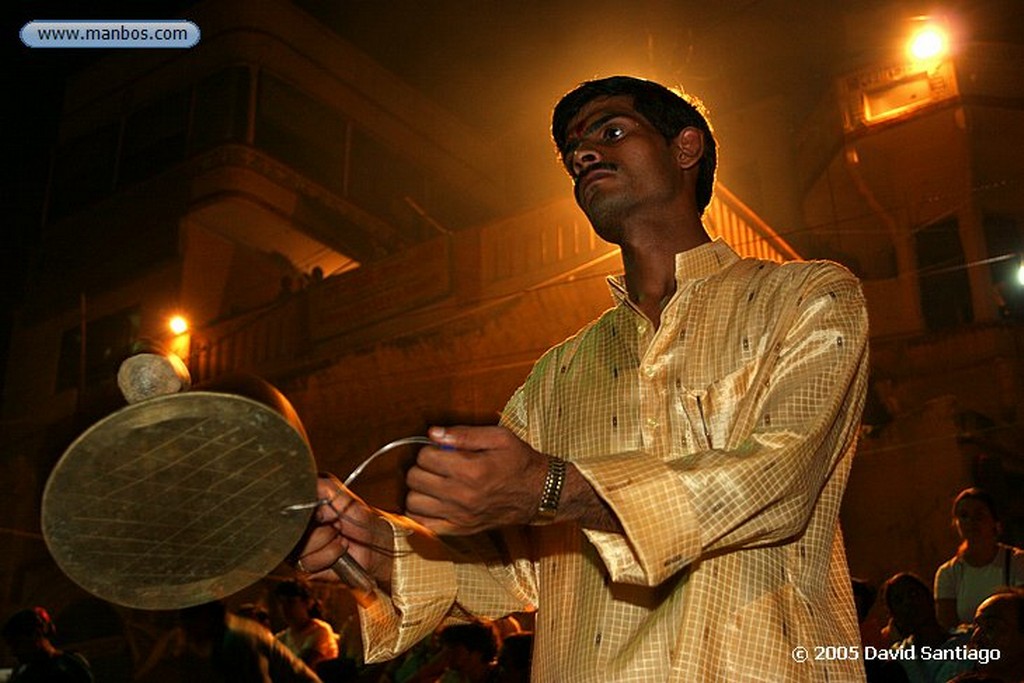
x=981 y=565
x=307 y=635
x=864 y=597
x=910 y=605
x=28 y=634
x=999 y=625
x=465 y=654
x=876 y=670
x=514 y=658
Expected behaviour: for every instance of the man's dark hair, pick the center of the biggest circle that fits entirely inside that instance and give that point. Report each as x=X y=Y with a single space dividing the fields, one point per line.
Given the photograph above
x=293 y=588
x=664 y=109
x=28 y=623
x=905 y=579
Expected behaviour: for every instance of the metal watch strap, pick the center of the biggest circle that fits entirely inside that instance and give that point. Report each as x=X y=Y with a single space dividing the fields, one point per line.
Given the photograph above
x=552 y=492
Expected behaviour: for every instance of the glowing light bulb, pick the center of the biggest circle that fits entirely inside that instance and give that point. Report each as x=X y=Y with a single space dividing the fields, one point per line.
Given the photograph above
x=178 y=325
x=928 y=43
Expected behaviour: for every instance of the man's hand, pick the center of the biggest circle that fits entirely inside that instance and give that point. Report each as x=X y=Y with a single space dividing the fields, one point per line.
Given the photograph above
x=346 y=524
x=475 y=479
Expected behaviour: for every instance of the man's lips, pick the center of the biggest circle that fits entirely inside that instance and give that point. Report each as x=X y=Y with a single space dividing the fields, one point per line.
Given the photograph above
x=592 y=174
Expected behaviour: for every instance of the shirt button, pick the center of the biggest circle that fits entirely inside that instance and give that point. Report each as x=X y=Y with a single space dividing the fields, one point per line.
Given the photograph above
x=651 y=422
x=640 y=327
x=650 y=371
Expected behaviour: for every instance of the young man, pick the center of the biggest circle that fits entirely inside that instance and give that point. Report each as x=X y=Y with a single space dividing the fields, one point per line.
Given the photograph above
x=665 y=486
x=27 y=634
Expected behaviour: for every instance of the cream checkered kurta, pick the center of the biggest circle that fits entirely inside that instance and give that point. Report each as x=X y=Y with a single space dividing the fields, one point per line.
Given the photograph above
x=722 y=440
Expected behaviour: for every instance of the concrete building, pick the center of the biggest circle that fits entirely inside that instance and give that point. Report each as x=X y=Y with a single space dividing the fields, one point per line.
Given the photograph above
x=911 y=175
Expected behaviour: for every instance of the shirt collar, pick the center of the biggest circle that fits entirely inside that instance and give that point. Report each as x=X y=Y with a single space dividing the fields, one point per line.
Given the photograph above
x=692 y=264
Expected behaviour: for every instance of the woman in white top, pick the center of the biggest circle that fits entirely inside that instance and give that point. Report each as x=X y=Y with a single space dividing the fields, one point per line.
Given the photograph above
x=981 y=565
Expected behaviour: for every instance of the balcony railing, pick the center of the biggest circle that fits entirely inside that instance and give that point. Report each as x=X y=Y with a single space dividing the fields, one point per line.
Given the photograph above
x=550 y=243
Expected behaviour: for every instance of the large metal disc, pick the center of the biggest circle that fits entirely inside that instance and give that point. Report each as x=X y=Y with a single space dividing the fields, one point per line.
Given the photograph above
x=178 y=500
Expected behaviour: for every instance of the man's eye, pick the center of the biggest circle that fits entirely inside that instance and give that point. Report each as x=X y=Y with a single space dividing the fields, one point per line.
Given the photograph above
x=612 y=133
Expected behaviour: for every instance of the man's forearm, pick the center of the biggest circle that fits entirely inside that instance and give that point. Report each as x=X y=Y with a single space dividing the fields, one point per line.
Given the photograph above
x=581 y=503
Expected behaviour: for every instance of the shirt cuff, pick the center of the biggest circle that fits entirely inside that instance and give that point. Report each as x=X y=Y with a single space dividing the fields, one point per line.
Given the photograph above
x=655 y=509
x=423 y=589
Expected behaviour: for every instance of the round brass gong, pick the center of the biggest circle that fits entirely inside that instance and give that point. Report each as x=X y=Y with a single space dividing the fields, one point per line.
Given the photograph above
x=178 y=500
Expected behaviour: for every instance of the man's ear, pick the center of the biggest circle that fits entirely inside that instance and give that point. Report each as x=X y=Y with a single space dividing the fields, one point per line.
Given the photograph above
x=689 y=147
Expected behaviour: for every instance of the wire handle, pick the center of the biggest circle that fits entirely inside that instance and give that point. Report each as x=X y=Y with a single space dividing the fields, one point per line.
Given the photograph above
x=347 y=569
x=405 y=441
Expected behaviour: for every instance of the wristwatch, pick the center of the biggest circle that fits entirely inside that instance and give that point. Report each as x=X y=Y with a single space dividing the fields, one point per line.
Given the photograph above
x=552 y=492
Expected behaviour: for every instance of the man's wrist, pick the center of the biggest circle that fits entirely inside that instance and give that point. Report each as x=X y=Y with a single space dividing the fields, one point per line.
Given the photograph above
x=551 y=493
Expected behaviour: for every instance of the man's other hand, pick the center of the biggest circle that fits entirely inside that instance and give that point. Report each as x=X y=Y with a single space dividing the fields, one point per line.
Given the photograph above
x=474 y=479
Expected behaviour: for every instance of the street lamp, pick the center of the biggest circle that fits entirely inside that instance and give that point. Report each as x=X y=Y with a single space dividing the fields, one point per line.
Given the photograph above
x=928 y=43
x=178 y=324
x=180 y=343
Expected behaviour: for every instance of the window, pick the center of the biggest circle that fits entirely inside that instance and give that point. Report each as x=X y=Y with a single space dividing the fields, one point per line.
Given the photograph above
x=945 y=287
x=1003 y=239
x=306 y=134
x=154 y=138
x=220 y=110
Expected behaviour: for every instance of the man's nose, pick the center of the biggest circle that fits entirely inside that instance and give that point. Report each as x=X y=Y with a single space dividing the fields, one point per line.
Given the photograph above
x=582 y=157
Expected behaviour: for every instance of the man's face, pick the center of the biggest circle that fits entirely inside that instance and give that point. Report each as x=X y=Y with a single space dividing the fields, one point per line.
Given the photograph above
x=618 y=162
x=910 y=606
x=996 y=627
x=295 y=609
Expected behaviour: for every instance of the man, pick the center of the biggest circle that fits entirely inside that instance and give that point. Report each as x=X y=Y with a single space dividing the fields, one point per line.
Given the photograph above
x=999 y=625
x=912 y=611
x=665 y=486
x=28 y=635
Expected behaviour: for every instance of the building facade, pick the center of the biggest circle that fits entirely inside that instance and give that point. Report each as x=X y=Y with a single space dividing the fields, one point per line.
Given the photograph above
x=912 y=176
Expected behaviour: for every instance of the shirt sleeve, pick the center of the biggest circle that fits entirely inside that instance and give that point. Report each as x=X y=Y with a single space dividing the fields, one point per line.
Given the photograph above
x=1016 y=567
x=423 y=590
x=435 y=581
x=945 y=582
x=799 y=417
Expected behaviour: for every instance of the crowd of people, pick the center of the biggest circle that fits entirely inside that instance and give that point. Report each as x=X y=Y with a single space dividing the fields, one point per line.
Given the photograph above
x=968 y=625
x=212 y=644
x=470 y=652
